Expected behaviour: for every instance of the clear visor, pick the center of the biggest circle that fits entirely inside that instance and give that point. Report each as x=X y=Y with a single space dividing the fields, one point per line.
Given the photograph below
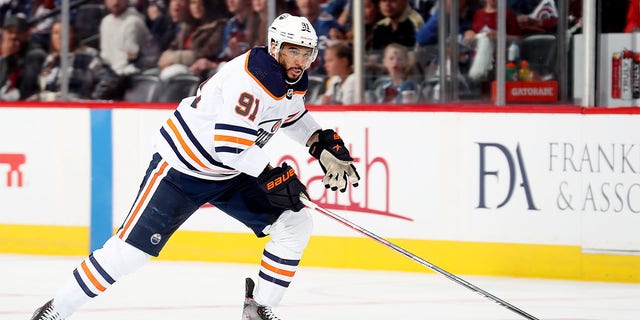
x=305 y=55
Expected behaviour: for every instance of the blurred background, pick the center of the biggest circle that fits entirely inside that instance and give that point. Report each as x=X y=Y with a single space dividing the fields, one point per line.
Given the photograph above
x=576 y=52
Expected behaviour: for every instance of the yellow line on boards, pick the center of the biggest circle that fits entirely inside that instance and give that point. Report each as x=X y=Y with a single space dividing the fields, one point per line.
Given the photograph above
x=457 y=257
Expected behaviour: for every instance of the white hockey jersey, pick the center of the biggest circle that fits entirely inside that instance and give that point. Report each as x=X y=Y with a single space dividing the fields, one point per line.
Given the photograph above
x=220 y=132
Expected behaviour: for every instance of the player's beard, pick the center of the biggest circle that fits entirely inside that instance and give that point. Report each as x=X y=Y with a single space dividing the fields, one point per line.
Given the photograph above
x=293 y=70
x=290 y=78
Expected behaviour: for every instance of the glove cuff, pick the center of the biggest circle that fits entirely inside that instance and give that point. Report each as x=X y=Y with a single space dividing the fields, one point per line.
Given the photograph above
x=315 y=150
x=326 y=139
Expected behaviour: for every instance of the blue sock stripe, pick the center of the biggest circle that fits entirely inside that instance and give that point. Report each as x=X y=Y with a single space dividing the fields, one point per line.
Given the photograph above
x=274 y=280
x=277 y=259
x=82 y=285
x=102 y=272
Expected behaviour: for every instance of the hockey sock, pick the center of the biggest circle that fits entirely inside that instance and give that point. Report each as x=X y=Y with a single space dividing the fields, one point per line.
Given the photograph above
x=96 y=273
x=281 y=256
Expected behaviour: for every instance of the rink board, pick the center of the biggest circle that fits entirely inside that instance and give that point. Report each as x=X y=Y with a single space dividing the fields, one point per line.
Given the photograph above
x=532 y=192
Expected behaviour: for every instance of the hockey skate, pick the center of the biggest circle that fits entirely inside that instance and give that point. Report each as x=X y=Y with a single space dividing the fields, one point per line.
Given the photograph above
x=252 y=310
x=46 y=312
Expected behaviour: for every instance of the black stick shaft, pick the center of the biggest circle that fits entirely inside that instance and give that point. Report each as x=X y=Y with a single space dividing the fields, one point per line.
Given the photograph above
x=414 y=257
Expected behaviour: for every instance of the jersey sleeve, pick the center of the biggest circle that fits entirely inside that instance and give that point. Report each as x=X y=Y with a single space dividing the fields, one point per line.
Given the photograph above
x=300 y=126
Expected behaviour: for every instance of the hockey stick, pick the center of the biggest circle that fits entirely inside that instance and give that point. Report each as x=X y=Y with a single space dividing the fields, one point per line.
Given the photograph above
x=412 y=256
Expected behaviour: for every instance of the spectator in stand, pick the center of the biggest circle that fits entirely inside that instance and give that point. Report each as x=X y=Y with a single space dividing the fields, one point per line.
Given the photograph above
x=428 y=33
x=154 y=18
x=12 y=7
x=125 y=42
x=165 y=25
x=373 y=69
x=40 y=31
x=399 y=25
x=327 y=28
x=532 y=23
x=398 y=88
x=89 y=76
x=541 y=16
x=20 y=63
x=340 y=10
x=242 y=31
x=336 y=7
x=340 y=85
x=425 y=8
x=371 y=17
x=482 y=36
x=522 y=6
x=485 y=21
x=139 y=5
x=260 y=6
x=200 y=37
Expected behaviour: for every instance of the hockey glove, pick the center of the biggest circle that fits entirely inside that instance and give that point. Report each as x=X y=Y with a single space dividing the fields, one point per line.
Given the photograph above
x=335 y=161
x=283 y=187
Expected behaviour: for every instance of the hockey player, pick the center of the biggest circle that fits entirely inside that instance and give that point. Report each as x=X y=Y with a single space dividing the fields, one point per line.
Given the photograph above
x=209 y=151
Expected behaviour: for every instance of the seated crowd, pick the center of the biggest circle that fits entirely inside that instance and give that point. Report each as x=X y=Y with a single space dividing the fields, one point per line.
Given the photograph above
x=119 y=47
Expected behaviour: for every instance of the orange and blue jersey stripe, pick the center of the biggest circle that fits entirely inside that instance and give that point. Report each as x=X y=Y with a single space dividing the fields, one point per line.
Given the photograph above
x=188 y=149
x=233 y=139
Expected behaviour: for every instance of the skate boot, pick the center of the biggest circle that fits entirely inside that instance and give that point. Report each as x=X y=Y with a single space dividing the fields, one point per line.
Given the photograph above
x=252 y=310
x=46 y=312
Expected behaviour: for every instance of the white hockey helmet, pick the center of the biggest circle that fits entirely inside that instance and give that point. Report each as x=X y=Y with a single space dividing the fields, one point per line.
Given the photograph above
x=294 y=30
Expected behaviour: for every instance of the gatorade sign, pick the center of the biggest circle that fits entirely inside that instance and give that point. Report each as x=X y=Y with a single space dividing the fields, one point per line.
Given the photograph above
x=528 y=91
